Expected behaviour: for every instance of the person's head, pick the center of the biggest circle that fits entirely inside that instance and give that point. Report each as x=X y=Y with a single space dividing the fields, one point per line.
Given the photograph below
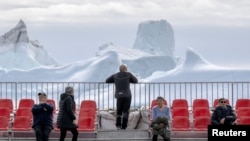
x=123 y=68
x=160 y=101
x=222 y=102
x=69 y=90
x=42 y=97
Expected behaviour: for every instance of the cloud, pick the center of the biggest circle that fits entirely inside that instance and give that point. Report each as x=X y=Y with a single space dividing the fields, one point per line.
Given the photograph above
x=180 y=12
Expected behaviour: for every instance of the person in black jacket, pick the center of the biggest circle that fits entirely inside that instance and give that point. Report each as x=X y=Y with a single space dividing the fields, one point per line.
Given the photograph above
x=42 y=118
x=223 y=114
x=122 y=82
x=66 y=119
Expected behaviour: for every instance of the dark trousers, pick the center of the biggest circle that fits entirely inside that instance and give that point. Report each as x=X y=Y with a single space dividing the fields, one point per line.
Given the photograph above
x=123 y=106
x=156 y=136
x=42 y=132
x=63 y=132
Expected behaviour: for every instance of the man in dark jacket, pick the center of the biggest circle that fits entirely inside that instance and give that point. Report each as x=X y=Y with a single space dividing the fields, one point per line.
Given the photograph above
x=122 y=82
x=223 y=114
x=66 y=119
x=42 y=118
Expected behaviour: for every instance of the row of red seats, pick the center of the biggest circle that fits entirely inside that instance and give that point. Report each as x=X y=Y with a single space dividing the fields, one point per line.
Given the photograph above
x=201 y=113
x=203 y=103
x=176 y=103
x=23 y=103
x=22 y=118
x=87 y=116
x=183 y=123
x=88 y=108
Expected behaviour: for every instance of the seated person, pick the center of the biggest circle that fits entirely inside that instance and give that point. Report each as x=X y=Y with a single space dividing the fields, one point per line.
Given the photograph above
x=160 y=116
x=223 y=114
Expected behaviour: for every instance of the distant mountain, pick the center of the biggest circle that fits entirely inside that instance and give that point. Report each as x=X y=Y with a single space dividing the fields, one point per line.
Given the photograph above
x=17 y=51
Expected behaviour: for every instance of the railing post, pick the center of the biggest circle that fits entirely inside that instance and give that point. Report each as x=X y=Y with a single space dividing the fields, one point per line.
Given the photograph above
x=232 y=95
x=98 y=97
x=149 y=91
x=16 y=96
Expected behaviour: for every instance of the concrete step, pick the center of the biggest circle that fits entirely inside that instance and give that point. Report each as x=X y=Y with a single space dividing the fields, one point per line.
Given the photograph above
x=111 y=135
x=123 y=134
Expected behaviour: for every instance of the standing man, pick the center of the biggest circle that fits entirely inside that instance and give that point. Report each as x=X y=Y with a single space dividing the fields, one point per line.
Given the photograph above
x=122 y=82
x=42 y=118
x=66 y=119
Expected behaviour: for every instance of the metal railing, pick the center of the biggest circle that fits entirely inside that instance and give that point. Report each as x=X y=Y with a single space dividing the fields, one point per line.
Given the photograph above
x=142 y=93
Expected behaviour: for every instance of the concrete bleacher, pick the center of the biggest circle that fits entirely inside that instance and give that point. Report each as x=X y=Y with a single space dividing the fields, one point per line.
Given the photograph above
x=105 y=134
x=109 y=135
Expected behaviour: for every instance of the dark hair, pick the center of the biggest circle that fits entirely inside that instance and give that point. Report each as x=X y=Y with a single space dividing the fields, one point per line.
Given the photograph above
x=69 y=89
x=160 y=97
x=222 y=99
x=42 y=93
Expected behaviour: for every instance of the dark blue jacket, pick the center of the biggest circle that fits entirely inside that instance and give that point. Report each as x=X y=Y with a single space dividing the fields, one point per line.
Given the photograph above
x=42 y=114
x=220 y=113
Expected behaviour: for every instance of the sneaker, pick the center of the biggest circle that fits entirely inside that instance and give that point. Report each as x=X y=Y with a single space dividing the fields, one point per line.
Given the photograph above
x=118 y=127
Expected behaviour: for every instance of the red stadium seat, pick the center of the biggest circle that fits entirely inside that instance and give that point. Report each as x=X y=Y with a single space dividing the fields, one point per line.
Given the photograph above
x=181 y=123
x=201 y=123
x=243 y=112
x=86 y=124
x=242 y=103
x=200 y=103
x=24 y=112
x=201 y=111
x=7 y=103
x=88 y=104
x=22 y=123
x=5 y=112
x=27 y=103
x=4 y=123
x=87 y=112
x=176 y=103
x=181 y=111
x=244 y=120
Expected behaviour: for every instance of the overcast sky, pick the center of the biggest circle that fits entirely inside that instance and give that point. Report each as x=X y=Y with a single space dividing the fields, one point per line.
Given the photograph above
x=72 y=30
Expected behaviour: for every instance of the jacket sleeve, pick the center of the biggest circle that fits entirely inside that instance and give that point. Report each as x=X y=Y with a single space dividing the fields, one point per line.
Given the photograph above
x=133 y=79
x=69 y=108
x=168 y=113
x=232 y=113
x=215 y=120
x=154 y=113
x=49 y=107
x=36 y=109
x=110 y=79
